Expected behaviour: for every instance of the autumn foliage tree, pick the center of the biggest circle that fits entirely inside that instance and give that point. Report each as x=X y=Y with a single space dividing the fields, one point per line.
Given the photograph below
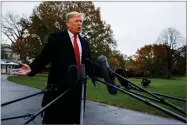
x=117 y=59
x=160 y=59
x=144 y=58
x=153 y=59
x=148 y=59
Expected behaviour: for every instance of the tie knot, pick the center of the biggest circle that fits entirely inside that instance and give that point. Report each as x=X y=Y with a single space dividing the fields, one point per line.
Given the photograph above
x=75 y=36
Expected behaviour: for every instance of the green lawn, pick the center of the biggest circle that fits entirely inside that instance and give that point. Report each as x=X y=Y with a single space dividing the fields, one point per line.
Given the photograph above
x=174 y=87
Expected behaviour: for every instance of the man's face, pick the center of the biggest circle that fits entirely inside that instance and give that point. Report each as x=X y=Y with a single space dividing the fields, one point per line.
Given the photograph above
x=75 y=24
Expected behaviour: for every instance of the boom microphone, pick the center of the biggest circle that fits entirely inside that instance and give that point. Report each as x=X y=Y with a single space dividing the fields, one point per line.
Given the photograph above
x=92 y=69
x=89 y=67
x=121 y=80
x=104 y=68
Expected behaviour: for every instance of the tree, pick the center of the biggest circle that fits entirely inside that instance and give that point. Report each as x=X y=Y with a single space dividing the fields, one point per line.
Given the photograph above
x=11 y=28
x=15 y=29
x=49 y=17
x=173 y=42
x=129 y=61
x=179 y=67
x=144 y=58
x=159 y=61
x=116 y=59
x=152 y=59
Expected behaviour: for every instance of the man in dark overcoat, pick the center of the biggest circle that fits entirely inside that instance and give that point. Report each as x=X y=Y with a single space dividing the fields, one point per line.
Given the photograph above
x=62 y=50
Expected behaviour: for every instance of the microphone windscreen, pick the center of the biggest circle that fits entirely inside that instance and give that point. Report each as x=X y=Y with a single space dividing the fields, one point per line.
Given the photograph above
x=121 y=80
x=89 y=67
x=92 y=68
x=104 y=69
x=83 y=72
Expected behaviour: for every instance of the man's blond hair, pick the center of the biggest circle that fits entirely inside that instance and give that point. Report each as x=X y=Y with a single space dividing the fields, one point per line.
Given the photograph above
x=72 y=14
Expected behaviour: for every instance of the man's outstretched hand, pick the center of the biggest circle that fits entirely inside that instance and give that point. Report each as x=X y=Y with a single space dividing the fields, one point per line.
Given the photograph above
x=24 y=70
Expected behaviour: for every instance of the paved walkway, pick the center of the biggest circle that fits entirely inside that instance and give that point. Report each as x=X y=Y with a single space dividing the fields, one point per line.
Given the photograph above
x=96 y=113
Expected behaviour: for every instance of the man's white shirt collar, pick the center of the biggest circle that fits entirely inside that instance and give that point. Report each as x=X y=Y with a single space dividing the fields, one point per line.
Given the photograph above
x=71 y=34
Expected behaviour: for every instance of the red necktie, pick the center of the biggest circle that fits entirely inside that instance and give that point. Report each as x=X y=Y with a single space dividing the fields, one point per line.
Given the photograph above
x=77 y=53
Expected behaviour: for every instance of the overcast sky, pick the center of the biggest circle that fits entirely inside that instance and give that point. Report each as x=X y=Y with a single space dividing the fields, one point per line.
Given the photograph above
x=134 y=24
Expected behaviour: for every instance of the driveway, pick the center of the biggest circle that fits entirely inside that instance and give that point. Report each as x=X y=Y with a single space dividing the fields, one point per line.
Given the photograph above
x=96 y=113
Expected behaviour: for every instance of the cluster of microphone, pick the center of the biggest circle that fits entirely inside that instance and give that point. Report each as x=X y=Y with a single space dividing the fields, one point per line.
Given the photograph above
x=94 y=69
x=101 y=69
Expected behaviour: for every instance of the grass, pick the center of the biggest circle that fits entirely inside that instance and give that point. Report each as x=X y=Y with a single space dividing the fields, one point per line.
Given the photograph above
x=174 y=87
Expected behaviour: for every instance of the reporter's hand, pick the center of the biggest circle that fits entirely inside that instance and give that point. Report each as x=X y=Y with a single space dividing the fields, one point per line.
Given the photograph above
x=24 y=70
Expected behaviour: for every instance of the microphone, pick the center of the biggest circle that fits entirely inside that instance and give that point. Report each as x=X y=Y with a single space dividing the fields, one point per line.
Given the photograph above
x=83 y=80
x=92 y=70
x=83 y=77
x=97 y=70
x=104 y=68
x=72 y=76
x=121 y=80
x=89 y=67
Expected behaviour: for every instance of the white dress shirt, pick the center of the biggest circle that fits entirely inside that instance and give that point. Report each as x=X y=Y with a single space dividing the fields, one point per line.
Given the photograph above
x=71 y=35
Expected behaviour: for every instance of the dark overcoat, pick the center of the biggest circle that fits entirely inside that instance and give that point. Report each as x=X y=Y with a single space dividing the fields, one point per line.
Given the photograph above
x=59 y=53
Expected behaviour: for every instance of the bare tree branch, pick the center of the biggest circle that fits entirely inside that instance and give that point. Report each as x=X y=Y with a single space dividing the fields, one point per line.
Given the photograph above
x=13 y=27
x=173 y=42
x=16 y=30
x=8 y=37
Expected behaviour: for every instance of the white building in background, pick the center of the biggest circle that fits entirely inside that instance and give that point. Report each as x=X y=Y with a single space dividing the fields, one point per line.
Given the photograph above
x=9 y=60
